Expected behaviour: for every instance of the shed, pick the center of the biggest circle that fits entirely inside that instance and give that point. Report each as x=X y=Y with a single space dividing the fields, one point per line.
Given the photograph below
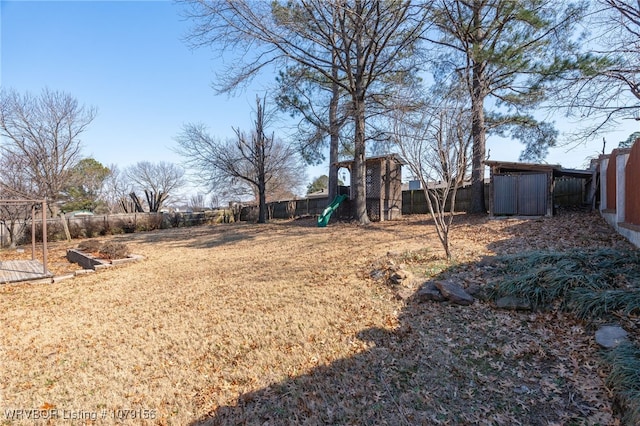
x=526 y=189
x=383 y=186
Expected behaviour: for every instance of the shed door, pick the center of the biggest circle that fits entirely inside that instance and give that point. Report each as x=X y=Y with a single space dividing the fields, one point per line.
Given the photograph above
x=505 y=194
x=532 y=195
x=524 y=194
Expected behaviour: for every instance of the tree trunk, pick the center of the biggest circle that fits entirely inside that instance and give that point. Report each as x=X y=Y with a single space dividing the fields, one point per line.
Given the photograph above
x=478 y=127
x=137 y=203
x=358 y=176
x=334 y=137
x=478 y=132
x=262 y=203
x=260 y=152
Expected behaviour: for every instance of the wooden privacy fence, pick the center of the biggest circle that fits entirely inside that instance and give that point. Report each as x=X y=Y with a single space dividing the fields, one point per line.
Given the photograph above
x=287 y=209
x=415 y=202
x=568 y=192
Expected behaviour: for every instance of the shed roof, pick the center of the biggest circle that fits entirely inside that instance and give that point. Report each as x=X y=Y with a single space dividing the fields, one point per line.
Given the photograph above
x=558 y=170
x=577 y=173
x=507 y=166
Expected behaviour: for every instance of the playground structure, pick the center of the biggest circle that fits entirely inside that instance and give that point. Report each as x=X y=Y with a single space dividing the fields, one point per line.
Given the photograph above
x=323 y=219
x=21 y=270
x=383 y=182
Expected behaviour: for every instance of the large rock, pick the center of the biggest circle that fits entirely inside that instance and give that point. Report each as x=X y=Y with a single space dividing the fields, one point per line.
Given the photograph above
x=428 y=292
x=610 y=336
x=513 y=303
x=454 y=293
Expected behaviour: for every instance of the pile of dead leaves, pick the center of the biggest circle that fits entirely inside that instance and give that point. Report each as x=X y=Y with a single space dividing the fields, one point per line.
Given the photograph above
x=104 y=250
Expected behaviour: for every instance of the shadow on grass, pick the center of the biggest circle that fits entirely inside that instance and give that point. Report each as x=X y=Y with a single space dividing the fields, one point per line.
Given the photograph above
x=447 y=364
x=204 y=236
x=444 y=364
x=217 y=235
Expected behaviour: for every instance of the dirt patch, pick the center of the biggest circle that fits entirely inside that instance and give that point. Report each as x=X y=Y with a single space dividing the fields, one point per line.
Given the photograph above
x=282 y=323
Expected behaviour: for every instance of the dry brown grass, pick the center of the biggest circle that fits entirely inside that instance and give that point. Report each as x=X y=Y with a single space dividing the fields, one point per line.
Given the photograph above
x=280 y=323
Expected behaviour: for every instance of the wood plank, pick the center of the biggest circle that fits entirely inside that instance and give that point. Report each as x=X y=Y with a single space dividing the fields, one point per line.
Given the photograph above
x=21 y=270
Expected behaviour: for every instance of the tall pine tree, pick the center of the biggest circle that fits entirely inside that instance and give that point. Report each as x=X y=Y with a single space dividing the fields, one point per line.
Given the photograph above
x=507 y=54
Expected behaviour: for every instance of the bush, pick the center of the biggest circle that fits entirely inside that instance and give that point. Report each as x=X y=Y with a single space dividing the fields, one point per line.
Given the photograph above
x=109 y=250
x=591 y=284
x=90 y=246
x=113 y=250
x=625 y=380
x=586 y=282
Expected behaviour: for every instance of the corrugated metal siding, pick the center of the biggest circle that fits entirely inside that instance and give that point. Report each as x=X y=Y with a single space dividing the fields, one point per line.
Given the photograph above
x=505 y=194
x=413 y=202
x=532 y=194
x=520 y=194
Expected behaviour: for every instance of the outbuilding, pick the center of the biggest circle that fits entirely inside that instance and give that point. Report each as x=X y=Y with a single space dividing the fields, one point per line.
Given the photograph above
x=383 y=186
x=527 y=189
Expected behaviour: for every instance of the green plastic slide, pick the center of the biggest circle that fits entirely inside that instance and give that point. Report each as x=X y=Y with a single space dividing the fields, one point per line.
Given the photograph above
x=323 y=219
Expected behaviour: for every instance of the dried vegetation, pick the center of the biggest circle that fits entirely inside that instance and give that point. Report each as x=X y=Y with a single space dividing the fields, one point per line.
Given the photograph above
x=105 y=250
x=283 y=324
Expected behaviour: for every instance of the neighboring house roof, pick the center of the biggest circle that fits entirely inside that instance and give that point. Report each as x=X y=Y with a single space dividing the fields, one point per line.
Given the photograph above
x=318 y=194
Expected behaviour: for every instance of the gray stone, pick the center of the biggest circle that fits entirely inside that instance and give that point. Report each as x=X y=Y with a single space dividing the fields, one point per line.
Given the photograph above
x=428 y=292
x=513 y=303
x=376 y=274
x=610 y=336
x=473 y=289
x=454 y=293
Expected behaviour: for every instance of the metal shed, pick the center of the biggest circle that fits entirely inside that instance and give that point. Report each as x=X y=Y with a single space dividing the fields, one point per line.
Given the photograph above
x=526 y=189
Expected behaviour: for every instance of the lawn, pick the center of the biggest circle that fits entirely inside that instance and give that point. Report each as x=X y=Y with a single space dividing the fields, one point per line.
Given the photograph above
x=283 y=324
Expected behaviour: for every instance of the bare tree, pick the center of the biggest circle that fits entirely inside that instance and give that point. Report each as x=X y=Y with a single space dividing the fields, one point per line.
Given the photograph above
x=45 y=131
x=14 y=186
x=251 y=163
x=116 y=190
x=156 y=180
x=358 y=45
x=607 y=89
x=197 y=202
x=435 y=142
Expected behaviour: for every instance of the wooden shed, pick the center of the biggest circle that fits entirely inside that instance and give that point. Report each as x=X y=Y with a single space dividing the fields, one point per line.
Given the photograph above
x=383 y=186
x=526 y=189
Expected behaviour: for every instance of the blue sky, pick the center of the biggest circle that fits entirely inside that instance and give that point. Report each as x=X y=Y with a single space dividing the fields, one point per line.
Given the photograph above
x=127 y=58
